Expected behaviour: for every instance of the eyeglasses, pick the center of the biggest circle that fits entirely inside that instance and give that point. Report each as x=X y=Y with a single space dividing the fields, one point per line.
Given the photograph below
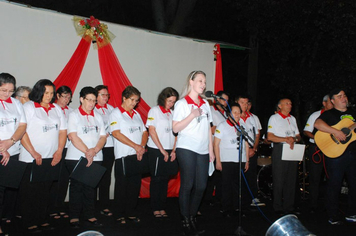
x=7 y=91
x=104 y=94
x=90 y=100
x=66 y=97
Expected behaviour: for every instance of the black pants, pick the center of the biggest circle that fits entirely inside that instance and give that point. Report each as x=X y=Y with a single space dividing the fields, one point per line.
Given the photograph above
x=251 y=176
x=159 y=184
x=194 y=176
x=10 y=199
x=336 y=169
x=104 y=185
x=81 y=196
x=59 y=188
x=315 y=174
x=230 y=186
x=284 y=175
x=34 y=199
x=127 y=189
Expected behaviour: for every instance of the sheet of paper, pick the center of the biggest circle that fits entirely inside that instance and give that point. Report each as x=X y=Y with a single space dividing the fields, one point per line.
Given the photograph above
x=293 y=155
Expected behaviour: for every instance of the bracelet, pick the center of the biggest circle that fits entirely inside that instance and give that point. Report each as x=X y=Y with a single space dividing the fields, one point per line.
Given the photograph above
x=13 y=140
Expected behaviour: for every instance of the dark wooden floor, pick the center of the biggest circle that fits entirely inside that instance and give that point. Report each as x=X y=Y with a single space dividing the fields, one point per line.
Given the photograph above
x=254 y=223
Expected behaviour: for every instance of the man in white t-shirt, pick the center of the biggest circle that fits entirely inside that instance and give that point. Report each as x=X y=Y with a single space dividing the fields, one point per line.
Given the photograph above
x=283 y=129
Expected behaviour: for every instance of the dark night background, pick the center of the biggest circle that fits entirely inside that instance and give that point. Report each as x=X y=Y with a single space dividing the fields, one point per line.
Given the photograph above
x=300 y=49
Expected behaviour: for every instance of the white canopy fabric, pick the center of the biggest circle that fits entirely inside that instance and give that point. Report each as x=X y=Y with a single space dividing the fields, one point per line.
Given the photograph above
x=37 y=44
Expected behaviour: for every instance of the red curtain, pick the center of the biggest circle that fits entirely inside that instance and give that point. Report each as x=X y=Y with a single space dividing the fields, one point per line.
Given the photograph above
x=71 y=73
x=115 y=78
x=218 y=70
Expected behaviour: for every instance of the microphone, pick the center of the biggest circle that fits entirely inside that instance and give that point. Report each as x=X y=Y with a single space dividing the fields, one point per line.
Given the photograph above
x=210 y=94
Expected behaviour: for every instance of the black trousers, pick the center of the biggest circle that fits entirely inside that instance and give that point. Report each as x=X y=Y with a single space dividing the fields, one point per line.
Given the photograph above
x=284 y=175
x=230 y=186
x=194 y=169
x=104 y=185
x=127 y=189
x=315 y=174
x=336 y=169
x=81 y=196
x=159 y=184
x=34 y=199
x=59 y=188
x=251 y=176
x=10 y=199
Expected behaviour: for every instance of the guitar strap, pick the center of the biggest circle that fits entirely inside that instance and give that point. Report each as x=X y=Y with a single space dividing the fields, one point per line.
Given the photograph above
x=321 y=158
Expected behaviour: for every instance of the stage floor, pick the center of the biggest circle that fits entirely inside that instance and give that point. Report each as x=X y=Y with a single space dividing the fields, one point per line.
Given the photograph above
x=254 y=223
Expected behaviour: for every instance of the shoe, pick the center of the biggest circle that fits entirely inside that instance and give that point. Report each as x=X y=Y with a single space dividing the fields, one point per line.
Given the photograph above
x=335 y=221
x=157 y=214
x=134 y=219
x=121 y=220
x=75 y=224
x=106 y=212
x=194 y=225
x=187 y=227
x=164 y=214
x=351 y=219
x=225 y=214
x=46 y=227
x=94 y=223
x=256 y=202
x=35 y=230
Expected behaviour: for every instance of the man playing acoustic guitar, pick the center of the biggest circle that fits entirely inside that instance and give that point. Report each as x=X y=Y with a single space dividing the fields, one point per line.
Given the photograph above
x=345 y=163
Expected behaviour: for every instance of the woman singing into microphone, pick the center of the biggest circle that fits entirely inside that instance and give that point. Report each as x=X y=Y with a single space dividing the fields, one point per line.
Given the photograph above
x=191 y=120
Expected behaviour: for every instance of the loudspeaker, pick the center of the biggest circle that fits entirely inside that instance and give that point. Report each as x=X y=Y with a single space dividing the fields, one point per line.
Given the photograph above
x=288 y=225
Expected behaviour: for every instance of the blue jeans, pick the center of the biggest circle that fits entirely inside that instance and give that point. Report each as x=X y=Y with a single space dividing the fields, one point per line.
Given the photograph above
x=336 y=169
x=194 y=176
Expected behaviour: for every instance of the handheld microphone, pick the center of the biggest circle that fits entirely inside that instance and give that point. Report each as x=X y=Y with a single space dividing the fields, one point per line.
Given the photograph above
x=210 y=94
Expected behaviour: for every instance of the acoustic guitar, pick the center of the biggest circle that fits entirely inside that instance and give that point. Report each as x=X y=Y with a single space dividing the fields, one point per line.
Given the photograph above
x=330 y=145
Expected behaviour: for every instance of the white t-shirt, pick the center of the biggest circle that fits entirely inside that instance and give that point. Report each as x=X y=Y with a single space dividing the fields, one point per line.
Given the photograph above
x=130 y=126
x=229 y=143
x=89 y=128
x=11 y=115
x=217 y=116
x=195 y=136
x=250 y=126
x=43 y=126
x=161 y=119
x=309 y=126
x=66 y=111
x=283 y=126
x=257 y=121
x=105 y=112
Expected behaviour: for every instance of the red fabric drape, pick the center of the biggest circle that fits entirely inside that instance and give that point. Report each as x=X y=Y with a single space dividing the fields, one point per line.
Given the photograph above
x=218 y=70
x=71 y=73
x=115 y=78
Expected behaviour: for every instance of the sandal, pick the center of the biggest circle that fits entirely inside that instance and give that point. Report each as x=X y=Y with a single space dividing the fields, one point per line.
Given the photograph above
x=157 y=214
x=121 y=220
x=55 y=216
x=134 y=219
x=63 y=214
x=106 y=212
x=164 y=214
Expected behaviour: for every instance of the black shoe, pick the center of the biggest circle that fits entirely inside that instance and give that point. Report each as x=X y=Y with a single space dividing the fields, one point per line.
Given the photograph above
x=312 y=210
x=75 y=224
x=94 y=223
x=226 y=214
x=335 y=221
x=187 y=227
x=194 y=225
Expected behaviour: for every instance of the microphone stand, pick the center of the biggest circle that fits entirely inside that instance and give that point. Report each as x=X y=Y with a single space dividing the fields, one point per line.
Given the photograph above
x=243 y=136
